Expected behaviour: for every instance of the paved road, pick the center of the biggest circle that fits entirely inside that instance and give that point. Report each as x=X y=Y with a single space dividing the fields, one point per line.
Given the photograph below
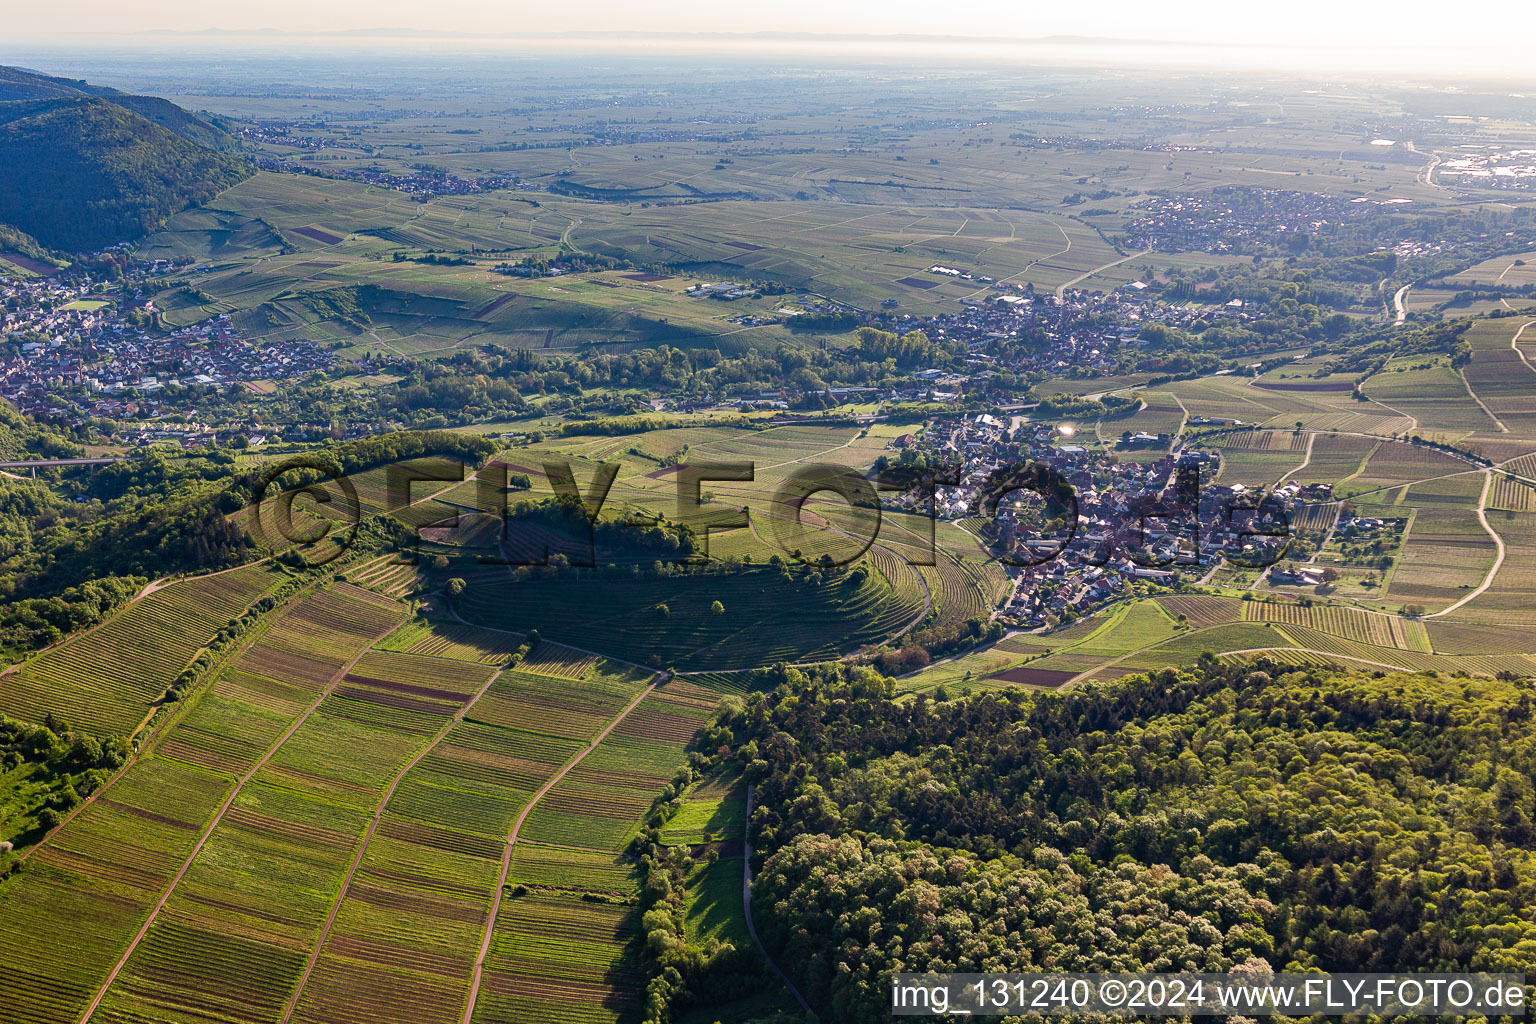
x=44 y=463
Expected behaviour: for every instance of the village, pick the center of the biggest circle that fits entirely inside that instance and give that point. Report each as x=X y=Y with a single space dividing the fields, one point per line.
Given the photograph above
x=73 y=353
x=1157 y=523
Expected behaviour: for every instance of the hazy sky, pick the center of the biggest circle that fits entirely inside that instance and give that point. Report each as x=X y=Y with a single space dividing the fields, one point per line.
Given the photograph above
x=1400 y=33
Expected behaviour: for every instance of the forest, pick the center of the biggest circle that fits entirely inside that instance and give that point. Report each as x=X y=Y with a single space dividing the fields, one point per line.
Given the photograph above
x=86 y=173
x=1178 y=821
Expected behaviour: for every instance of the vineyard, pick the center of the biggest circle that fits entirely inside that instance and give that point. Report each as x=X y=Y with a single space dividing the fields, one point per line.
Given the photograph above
x=387 y=576
x=566 y=708
x=764 y=616
x=104 y=681
x=1349 y=623
x=558 y=661
x=1508 y=492
x=1316 y=519
x=555 y=953
x=600 y=803
x=203 y=790
x=713 y=811
x=1264 y=440
x=1202 y=610
x=452 y=640
x=1446 y=552
x=418 y=907
x=555 y=957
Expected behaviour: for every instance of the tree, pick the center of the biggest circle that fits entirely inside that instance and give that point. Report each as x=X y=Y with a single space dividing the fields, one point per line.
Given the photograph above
x=716 y=608
x=456 y=586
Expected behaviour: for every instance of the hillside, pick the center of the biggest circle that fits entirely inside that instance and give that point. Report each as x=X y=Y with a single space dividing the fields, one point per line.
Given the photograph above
x=1308 y=818
x=19 y=84
x=82 y=168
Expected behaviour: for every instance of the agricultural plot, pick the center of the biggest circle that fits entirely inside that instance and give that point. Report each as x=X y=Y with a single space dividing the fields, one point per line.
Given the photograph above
x=976 y=669
x=1511 y=599
x=104 y=681
x=1446 y=554
x=417 y=910
x=562 y=945
x=261 y=886
x=1258 y=467
x=556 y=957
x=308 y=643
x=1394 y=465
x=1314 y=520
x=453 y=640
x=1161 y=414
x=559 y=707
x=1450 y=635
x=573 y=871
x=388 y=577
x=407 y=926
x=167 y=802
x=1350 y=623
x=713 y=810
x=1263 y=440
x=1336 y=458
x=65 y=919
x=1233 y=636
x=558 y=661
x=1128 y=628
x=1456 y=491
x=1226 y=397
x=1202 y=611
x=1501 y=376
x=1346 y=651
x=1519 y=269
x=892 y=246
x=600 y=802
x=1430 y=391
x=1512 y=494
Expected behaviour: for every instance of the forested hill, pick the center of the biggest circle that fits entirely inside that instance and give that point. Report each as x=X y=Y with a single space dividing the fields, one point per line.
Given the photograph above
x=80 y=171
x=1306 y=818
x=20 y=84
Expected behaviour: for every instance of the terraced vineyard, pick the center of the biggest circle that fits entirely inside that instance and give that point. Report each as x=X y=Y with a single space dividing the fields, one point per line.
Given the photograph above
x=387 y=576
x=765 y=616
x=105 y=680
